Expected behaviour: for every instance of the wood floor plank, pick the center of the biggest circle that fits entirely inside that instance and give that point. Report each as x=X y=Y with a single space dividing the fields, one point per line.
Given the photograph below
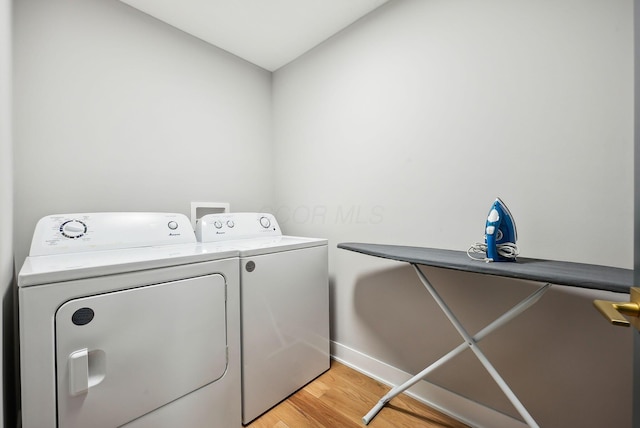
x=285 y=415
x=361 y=393
x=353 y=399
x=318 y=387
x=340 y=397
x=326 y=415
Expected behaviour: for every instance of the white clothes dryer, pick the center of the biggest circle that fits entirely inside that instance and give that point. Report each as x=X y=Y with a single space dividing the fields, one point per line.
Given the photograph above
x=284 y=306
x=126 y=321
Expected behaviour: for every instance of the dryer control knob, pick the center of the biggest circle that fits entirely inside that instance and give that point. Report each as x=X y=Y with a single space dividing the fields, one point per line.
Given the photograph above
x=73 y=229
x=173 y=225
x=217 y=224
x=265 y=222
x=230 y=223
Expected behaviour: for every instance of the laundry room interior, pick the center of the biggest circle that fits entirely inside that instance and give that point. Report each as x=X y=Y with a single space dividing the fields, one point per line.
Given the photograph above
x=401 y=128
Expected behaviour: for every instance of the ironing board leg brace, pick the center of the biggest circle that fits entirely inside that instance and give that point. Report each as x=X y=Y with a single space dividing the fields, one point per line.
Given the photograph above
x=470 y=342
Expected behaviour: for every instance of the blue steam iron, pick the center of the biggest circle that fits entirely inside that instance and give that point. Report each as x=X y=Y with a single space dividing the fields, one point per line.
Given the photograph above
x=500 y=233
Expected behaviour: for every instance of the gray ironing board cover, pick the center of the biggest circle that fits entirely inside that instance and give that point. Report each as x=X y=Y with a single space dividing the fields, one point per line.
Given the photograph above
x=549 y=271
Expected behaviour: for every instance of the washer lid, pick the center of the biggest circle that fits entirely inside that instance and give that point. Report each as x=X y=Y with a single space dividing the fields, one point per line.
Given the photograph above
x=66 y=267
x=255 y=247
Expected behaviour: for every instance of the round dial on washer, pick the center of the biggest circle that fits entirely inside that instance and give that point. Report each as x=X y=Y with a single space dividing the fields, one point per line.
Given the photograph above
x=265 y=222
x=217 y=224
x=173 y=225
x=230 y=223
x=73 y=229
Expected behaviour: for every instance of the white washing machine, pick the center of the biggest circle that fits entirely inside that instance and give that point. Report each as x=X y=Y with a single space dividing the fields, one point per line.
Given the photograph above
x=284 y=306
x=126 y=321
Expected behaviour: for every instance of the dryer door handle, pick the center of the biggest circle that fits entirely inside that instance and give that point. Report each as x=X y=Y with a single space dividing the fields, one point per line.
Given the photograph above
x=79 y=372
x=86 y=370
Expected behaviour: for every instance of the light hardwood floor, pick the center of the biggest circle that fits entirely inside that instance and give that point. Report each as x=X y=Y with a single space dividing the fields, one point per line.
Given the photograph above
x=340 y=397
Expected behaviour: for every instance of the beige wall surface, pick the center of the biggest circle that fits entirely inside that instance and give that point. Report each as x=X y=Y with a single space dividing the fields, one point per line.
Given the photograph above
x=403 y=129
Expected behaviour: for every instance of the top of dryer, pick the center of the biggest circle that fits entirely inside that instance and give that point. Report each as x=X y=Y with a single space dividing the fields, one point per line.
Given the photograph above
x=68 y=247
x=77 y=233
x=234 y=226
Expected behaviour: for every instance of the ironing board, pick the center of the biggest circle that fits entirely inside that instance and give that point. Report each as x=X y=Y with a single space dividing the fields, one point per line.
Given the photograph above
x=547 y=272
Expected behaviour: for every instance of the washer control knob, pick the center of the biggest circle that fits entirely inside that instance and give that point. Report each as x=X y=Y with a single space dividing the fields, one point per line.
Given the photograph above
x=217 y=224
x=73 y=229
x=265 y=222
x=230 y=223
x=173 y=225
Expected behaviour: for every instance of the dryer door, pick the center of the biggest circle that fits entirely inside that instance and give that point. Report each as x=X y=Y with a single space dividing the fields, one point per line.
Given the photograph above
x=123 y=354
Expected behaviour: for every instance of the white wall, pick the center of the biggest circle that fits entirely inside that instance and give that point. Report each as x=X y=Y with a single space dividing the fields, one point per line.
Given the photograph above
x=6 y=217
x=404 y=128
x=116 y=111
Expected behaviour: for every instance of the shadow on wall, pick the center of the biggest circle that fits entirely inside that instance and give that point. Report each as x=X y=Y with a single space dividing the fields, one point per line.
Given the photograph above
x=559 y=354
x=10 y=355
x=332 y=306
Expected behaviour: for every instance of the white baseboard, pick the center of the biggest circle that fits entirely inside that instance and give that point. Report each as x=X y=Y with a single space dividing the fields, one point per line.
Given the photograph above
x=456 y=406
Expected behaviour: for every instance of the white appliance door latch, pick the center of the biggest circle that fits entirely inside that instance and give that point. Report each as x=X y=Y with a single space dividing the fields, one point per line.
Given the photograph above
x=86 y=369
x=79 y=372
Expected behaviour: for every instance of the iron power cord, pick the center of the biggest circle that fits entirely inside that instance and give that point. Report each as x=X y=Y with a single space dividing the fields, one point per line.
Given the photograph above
x=508 y=250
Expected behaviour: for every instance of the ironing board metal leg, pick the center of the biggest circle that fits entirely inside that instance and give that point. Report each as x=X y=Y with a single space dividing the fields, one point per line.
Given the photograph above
x=499 y=322
x=476 y=350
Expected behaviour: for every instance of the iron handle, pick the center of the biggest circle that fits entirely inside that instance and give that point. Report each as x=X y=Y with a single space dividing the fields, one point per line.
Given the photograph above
x=613 y=311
